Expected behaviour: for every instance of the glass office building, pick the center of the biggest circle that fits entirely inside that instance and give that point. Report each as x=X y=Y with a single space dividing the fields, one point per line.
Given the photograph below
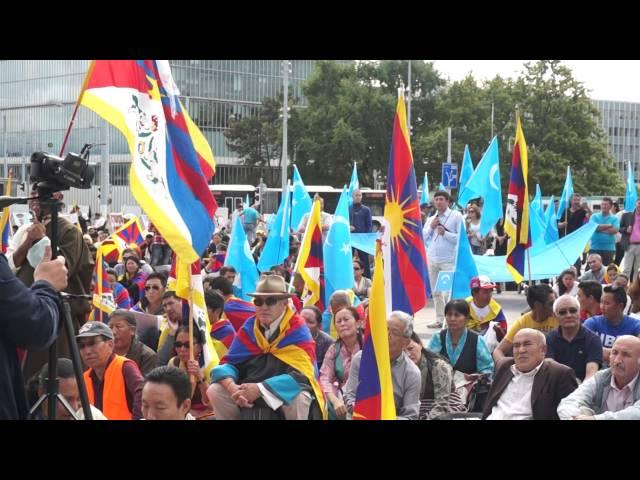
x=37 y=99
x=621 y=122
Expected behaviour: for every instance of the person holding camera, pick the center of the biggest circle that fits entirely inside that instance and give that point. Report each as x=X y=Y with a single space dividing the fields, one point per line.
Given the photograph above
x=30 y=318
x=26 y=254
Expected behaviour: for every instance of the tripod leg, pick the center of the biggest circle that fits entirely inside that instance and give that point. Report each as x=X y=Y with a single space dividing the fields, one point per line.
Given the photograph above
x=52 y=382
x=77 y=365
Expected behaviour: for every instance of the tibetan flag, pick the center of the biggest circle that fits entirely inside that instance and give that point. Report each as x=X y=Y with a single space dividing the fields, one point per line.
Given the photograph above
x=516 y=223
x=188 y=286
x=131 y=232
x=103 y=302
x=405 y=256
x=310 y=262
x=238 y=311
x=374 y=396
x=171 y=161
x=5 y=223
x=222 y=334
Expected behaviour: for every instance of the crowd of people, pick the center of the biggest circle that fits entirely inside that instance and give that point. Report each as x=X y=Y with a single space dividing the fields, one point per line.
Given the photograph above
x=574 y=354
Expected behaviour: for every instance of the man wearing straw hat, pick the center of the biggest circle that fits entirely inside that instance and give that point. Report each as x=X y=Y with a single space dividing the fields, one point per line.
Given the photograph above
x=269 y=371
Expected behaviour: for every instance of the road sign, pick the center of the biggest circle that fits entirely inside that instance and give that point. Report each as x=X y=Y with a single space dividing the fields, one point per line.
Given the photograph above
x=450 y=175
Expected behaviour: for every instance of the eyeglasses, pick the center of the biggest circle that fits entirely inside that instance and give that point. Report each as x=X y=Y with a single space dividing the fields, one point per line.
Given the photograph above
x=356 y=268
x=269 y=301
x=571 y=310
x=181 y=344
x=90 y=343
x=149 y=287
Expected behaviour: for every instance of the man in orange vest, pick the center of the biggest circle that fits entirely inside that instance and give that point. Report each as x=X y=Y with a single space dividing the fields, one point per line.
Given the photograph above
x=114 y=383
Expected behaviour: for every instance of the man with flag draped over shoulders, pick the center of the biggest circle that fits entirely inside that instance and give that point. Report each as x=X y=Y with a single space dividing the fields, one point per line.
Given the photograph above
x=270 y=369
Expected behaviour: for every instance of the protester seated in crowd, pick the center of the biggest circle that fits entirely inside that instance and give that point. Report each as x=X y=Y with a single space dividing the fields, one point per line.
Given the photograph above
x=216 y=261
x=611 y=394
x=181 y=346
x=597 y=271
x=134 y=278
x=126 y=343
x=622 y=281
x=611 y=273
x=634 y=293
x=230 y=273
x=334 y=372
x=222 y=332
x=483 y=310
x=120 y=294
x=540 y=299
x=437 y=390
x=236 y=310
x=589 y=295
x=571 y=344
x=528 y=386
x=613 y=323
x=405 y=376
x=215 y=241
x=361 y=283
x=166 y=394
x=298 y=285
x=67 y=388
x=113 y=382
x=128 y=252
x=313 y=317
x=269 y=369
x=339 y=299
x=566 y=283
x=173 y=313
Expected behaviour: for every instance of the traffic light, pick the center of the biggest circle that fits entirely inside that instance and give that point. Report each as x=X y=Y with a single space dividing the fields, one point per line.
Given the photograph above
x=256 y=196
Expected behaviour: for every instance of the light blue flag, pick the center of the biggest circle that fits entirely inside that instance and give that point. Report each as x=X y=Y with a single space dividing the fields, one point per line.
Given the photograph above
x=485 y=183
x=441 y=187
x=301 y=203
x=466 y=171
x=465 y=269
x=536 y=203
x=239 y=257
x=546 y=263
x=551 y=222
x=424 y=198
x=631 y=195
x=276 y=249
x=365 y=241
x=567 y=193
x=354 y=184
x=246 y=202
x=337 y=256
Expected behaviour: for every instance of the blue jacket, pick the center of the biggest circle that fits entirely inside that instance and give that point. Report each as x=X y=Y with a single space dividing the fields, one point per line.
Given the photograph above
x=360 y=218
x=29 y=319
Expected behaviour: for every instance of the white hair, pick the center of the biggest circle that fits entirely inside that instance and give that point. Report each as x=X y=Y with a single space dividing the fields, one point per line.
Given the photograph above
x=406 y=319
x=566 y=298
x=542 y=339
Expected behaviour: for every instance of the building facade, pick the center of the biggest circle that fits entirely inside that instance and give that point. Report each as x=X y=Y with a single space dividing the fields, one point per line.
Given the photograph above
x=621 y=122
x=37 y=99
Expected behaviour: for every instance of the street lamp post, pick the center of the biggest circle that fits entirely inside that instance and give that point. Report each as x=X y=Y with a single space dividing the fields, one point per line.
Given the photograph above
x=285 y=117
x=6 y=157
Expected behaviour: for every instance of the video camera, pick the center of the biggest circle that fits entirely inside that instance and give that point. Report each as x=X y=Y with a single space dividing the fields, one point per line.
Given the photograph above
x=55 y=174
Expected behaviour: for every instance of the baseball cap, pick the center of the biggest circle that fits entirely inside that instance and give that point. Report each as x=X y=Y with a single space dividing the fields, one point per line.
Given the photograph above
x=482 y=281
x=92 y=329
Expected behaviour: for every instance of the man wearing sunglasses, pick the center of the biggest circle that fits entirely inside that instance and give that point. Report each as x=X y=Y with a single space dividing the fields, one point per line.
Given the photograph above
x=114 y=383
x=571 y=344
x=269 y=370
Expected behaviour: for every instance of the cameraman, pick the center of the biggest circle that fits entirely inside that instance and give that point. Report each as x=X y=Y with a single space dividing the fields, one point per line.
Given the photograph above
x=24 y=250
x=29 y=318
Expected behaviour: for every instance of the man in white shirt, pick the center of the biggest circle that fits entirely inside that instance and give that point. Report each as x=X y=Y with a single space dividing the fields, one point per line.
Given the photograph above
x=440 y=234
x=611 y=394
x=528 y=386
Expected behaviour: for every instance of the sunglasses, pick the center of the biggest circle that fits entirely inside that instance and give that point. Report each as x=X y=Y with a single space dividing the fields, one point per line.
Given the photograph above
x=571 y=310
x=181 y=344
x=154 y=287
x=90 y=343
x=269 y=301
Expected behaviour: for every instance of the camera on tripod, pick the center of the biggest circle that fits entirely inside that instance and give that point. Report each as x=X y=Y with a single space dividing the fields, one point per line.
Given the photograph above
x=54 y=173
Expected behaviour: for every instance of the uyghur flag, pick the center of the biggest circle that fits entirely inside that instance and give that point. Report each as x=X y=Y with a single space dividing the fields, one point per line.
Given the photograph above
x=239 y=257
x=171 y=161
x=424 y=198
x=405 y=256
x=516 y=223
x=301 y=201
x=567 y=193
x=310 y=264
x=631 y=194
x=466 y=172
x=374 y=395
x=354 y=184
x=5 y=224
x=338 y=267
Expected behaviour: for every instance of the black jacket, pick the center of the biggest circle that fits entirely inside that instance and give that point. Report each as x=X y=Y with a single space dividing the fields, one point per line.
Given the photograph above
x=28 y=319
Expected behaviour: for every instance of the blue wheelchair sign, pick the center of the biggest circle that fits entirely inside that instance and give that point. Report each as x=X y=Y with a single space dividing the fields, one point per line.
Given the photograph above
x=450 y=175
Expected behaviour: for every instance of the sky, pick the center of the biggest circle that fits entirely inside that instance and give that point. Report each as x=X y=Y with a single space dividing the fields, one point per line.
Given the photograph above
x=604 y=79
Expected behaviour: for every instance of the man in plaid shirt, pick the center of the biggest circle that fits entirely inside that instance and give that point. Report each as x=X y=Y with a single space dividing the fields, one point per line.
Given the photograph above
x=160 y=249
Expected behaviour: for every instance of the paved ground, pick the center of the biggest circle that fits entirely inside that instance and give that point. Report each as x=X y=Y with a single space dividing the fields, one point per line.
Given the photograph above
x=512 y=303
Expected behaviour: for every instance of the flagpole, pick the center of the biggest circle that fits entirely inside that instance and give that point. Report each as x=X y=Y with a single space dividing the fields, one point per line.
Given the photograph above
x=192 y=378
x=75 y=110
x=529 y=264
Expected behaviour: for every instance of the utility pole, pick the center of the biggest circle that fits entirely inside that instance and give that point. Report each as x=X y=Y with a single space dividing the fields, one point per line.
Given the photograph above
x=285 y=116
x=409 y=100
x=104 y=171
